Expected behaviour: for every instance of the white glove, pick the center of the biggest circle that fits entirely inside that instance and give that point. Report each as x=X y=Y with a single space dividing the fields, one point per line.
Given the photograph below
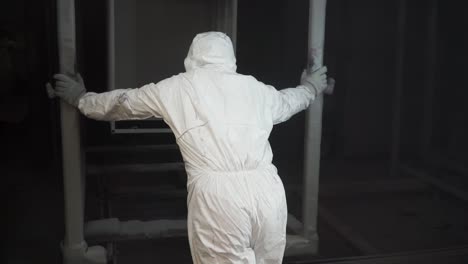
x=315 y=81
x=67 y=88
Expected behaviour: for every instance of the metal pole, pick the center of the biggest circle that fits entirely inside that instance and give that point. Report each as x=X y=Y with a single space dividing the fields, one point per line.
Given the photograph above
x=430 y=81
x=111 y=51
x=226 y=18
x=75 y=249
x=313 y=129
x=234 y=23
x=70 y=128
x=396 y=124
x=111 y=46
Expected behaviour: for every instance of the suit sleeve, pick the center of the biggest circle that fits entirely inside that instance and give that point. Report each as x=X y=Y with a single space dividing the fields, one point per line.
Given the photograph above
x=287 y=102
x=123 y=104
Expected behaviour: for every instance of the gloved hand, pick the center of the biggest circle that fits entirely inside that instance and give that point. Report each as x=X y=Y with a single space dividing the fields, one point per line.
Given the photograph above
x=67 y=88
x=315 y=81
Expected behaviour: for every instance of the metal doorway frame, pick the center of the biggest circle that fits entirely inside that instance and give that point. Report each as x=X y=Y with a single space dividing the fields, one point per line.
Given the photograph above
x=75 y=248
x=225 y=20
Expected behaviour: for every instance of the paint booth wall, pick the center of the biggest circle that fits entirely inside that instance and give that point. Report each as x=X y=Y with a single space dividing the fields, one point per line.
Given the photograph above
x=450 y=108
x=272 y=46
x=360 y=55
x=31 y=185
x=434 y=89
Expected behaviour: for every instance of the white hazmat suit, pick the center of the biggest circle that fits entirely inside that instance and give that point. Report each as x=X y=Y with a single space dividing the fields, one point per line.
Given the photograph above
x=222 y=120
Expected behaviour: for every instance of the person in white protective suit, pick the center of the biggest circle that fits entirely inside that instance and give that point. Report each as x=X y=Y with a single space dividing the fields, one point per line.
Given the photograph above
x=222 y=120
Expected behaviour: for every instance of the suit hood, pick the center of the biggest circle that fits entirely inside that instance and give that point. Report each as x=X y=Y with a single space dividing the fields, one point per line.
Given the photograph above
x=211 y=50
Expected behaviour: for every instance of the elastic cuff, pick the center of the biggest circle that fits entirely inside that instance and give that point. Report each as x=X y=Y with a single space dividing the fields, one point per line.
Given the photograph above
x=79 y=103
x=308 y=90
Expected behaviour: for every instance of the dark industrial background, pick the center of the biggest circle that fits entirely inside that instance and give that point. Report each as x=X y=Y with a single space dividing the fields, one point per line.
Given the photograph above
x=361 y=52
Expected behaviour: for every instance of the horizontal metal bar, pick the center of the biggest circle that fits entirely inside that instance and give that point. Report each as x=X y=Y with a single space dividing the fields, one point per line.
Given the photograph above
x=152 y=191
x=442 y=185
x=447 y=163
x=346 y=231
x=112 y=229
x=134 y=168
x=351 y=188
x=434 y=256
x=294 y=224
x=297 y=245
x=141 y=130
x=131 y=148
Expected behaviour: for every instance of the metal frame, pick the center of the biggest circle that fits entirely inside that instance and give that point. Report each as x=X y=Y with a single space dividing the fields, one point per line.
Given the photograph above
x=225 y=14
x=115 y=130
x=305 y=241
x=74 y=246
x=111 y=76
x=112 y=229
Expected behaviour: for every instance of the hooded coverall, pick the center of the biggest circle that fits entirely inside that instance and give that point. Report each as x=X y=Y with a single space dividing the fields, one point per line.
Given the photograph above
x=221 y=120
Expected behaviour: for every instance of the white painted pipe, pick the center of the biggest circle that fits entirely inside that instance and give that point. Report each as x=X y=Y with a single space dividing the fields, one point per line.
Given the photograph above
x=71 y=152
x=234 y=5
x=313 y=129
x=75 y=249
x=226 y=19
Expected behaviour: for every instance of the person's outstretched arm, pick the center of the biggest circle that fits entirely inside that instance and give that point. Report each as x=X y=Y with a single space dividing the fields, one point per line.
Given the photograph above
x=290 y=101
x=120 y=104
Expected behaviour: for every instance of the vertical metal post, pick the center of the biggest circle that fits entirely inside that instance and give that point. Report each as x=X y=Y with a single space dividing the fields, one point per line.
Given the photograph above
x=111 y=50
x=111 y=46
x=226 y=18
x=70 y=129
x=399 y=72
x=234 y=23
x=430 y=80
x=75 y=249
x=313 y=129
